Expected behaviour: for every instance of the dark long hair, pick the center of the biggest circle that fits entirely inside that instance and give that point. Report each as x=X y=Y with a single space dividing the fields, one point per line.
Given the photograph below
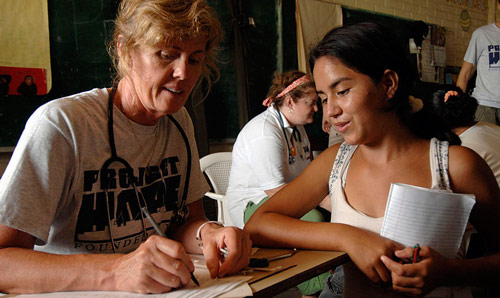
x=458 y=110
x=370 y=49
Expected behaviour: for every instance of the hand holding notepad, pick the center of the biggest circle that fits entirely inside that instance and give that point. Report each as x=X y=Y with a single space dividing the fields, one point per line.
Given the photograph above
x=427 y=216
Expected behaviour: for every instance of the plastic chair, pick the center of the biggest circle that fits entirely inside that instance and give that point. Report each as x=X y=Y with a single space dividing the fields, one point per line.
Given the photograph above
x=217 y=167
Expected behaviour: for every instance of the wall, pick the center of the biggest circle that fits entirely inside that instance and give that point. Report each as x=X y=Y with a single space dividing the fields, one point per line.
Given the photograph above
x=445 y=13
x=441 y=12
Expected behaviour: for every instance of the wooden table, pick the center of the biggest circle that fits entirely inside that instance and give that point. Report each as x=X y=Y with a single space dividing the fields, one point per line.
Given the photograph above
x=304 y=264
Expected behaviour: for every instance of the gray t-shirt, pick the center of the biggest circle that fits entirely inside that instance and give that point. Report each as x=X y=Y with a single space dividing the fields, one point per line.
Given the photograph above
x=484 y=53
x=54 y=187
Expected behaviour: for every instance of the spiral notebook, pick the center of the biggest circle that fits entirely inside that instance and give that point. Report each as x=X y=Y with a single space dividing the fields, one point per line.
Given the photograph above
x=427 y=216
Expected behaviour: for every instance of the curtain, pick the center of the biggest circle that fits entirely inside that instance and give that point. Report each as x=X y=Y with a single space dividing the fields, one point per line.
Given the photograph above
x=314 y=19
x=239 y=51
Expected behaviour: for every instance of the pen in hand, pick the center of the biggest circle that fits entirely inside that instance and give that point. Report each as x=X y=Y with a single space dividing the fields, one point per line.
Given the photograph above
x=223 y=251
x=416 y=251
x=160 y=232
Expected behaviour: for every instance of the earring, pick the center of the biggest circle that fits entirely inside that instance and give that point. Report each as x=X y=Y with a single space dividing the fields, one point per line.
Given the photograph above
x=290 y=111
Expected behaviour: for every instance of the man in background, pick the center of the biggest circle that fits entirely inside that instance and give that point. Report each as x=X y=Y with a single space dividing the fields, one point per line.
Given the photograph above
x=484 y=53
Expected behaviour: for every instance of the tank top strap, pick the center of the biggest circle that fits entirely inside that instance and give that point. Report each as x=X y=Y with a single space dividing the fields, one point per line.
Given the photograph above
x=439 y=164
x=341 y=161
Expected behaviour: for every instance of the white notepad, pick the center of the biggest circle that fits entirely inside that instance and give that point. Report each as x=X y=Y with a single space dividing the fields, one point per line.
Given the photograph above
x=427 y=216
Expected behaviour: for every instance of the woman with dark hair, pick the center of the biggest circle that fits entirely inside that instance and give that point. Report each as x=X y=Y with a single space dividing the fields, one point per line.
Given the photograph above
x=362 y=73
x=458 y=109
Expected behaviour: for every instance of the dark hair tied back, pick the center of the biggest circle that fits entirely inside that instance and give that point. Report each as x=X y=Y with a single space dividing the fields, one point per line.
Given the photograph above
x=458 y=110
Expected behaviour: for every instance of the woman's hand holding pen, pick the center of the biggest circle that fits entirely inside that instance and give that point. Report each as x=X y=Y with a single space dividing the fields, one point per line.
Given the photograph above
x=421 y=277
x=234 y=240
x=157 y=266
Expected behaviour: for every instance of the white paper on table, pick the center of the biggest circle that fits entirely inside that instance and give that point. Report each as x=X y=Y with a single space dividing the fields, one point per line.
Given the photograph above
x=427 y=216
x=208 y=287
x=243 y=290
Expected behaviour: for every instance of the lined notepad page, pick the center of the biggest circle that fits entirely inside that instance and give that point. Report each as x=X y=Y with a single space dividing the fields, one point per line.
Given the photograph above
x=426 y=216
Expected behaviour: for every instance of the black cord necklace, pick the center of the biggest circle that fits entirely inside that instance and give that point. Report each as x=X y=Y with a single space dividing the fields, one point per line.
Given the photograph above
x=180 y=209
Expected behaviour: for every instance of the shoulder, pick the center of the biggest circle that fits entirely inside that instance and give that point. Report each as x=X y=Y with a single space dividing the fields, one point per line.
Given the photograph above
x=267 y=117
x=330 y=153
x=82 y=102
x=263 y=125
x=481 y=29
x=483 y=137
x=483 y=131
x=485 y=29
x=487 y=126
x=72 y=109
x=466 y=168
x=478 y=34
x=462 y=155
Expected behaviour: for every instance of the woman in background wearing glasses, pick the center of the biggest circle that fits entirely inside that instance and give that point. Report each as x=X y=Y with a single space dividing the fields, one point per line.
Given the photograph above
x=272 y=149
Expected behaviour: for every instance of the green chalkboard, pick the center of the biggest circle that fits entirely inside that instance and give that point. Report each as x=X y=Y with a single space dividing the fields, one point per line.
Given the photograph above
x=221 y=106
x=79 y=61
x=403 y=27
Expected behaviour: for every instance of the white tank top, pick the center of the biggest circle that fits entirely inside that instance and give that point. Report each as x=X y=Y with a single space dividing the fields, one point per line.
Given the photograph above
x=342 y=212
x=356 y=284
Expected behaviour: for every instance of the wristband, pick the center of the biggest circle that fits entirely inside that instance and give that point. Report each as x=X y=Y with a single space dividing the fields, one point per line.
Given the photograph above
x=198 y=232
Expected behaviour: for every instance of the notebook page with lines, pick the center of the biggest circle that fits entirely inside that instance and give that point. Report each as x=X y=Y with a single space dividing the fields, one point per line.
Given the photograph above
x=427 y=216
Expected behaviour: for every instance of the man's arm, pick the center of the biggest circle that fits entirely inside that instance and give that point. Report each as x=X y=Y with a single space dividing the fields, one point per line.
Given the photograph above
x=464 y=76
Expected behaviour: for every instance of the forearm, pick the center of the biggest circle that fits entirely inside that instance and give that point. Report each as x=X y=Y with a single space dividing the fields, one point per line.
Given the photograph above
x=464 y=75
x=276 y=230
x=462 y=83
x=27 y=271
x=484 y=271
x=186 y=235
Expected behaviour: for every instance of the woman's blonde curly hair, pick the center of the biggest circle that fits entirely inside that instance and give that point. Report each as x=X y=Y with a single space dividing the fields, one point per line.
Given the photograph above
x=149 y=24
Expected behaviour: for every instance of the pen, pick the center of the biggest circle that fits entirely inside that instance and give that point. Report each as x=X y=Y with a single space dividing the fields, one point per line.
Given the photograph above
x=223 y=251
x=416 y=250
x=160 y=232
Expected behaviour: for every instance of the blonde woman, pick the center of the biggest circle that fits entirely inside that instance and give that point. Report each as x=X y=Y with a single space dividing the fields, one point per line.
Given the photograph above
x=91 y=168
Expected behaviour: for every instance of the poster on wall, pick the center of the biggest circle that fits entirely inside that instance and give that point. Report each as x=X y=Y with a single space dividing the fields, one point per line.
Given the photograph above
x=431 y=58
x=474 y=4
x=25 y=56
x=22 y=81
x=25 y=66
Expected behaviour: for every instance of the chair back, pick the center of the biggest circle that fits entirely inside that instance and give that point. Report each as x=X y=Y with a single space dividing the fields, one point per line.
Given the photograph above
x=217 y=167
